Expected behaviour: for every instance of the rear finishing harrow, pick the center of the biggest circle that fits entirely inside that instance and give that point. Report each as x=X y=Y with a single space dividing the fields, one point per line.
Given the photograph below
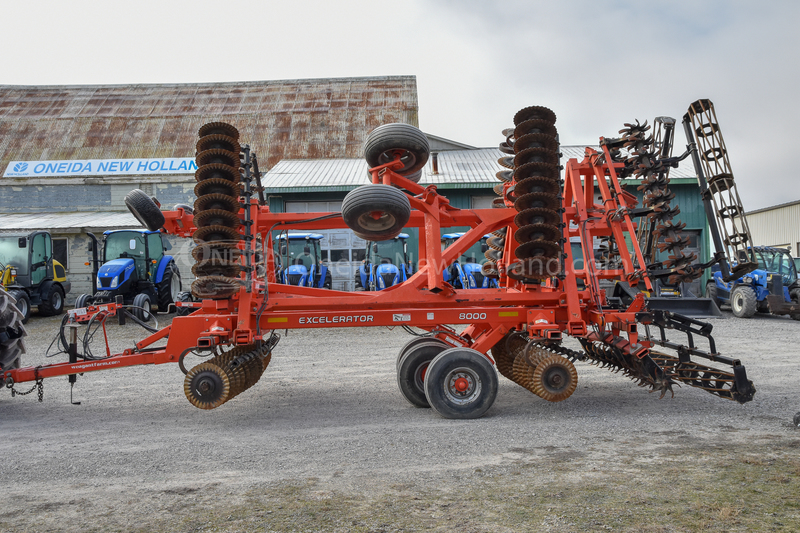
x=516 y=329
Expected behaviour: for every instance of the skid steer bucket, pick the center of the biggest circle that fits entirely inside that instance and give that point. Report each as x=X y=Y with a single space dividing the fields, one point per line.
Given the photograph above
x=685 y=304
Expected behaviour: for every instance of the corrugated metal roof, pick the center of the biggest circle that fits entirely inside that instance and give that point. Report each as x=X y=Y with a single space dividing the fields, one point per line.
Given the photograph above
x=66 y=221
x=457 y=169
x=315 y=118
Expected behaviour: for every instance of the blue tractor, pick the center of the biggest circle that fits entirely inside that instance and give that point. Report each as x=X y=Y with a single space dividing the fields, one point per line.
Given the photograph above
x=386 y=264
x=466 y=272
x=772 y=287
x=298 y=261
x=135 y=266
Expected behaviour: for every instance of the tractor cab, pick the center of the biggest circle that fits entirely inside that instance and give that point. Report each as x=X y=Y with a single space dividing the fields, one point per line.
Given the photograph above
x=31 y=275
x=134 y=265
x=298 y=259
x=466 y=273
x=386 y=264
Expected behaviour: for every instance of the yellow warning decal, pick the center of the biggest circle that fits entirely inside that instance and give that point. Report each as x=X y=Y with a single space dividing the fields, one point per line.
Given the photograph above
x=278 y=319
x=508 y=313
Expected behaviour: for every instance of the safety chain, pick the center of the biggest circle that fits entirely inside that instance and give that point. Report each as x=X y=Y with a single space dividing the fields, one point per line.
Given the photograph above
x=38 y=385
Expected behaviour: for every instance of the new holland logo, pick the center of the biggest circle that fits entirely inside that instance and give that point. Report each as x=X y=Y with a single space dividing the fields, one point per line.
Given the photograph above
x=20 y=167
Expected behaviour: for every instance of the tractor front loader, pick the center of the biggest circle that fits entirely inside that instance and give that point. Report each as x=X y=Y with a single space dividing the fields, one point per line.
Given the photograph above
x=515 y=329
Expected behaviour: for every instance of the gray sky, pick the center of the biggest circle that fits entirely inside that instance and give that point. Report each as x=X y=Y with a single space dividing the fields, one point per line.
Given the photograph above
x=597 y=64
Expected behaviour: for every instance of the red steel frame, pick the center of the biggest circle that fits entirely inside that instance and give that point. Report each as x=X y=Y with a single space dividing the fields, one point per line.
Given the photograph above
x=424 y=301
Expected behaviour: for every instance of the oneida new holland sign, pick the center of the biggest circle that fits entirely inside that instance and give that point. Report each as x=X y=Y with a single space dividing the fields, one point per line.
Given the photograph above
x=100 y=167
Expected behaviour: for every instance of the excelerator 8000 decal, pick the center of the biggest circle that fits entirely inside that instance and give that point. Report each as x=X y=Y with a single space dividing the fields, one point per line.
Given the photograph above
x=338 y=319
x=237 y=307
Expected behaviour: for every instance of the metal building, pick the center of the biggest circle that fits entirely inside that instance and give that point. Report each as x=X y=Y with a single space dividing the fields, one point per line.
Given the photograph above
x=777 y=226
x=70 y=154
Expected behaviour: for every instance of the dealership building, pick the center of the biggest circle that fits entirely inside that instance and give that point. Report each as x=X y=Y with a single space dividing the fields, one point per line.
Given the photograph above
x=70 y=154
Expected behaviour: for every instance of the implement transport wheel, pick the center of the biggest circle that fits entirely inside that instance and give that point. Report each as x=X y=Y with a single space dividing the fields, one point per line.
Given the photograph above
x=461 y=383
x=376 y=212
x=554 y=379
x=387 y=142
x=743 y=301
x=207 y=386
x=412 y=367
x=144 y=209
x=415 y=341
x=184 y=296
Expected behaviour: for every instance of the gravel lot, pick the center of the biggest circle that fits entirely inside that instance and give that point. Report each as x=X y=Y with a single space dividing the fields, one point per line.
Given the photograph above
x=326 y=442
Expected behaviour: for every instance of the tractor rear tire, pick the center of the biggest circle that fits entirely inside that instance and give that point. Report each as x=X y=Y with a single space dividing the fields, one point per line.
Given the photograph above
x=743 y=301
x=142 y=307
x=376 y=212
x=385 y=142
x=23 y=303
x=52 y=301
x=461 y=383
x=412 y=367
x=169 y=287
x=12 y=347
x=795 y=294
x=185 y=296
x=145 y=209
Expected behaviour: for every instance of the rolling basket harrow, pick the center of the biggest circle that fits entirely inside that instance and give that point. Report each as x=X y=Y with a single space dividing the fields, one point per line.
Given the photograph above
x=516 y=330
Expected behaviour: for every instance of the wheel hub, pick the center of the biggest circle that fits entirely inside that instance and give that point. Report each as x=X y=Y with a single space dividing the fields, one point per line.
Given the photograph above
x=462 y=386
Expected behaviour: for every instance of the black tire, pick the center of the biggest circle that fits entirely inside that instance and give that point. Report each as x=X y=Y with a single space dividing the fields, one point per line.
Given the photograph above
x=456 y=368
x=52 y=301
x=187 y=208
x=185 y=297
x=412 y=367
x=358 y=286
x=384 y=142
x=711 y=292
x=328 y=284
x=145 y=209
x=142 y=307
x=376 y=212
x=82 y=301
x=169 y=287
x=743 y=301
x=795 y=295
x=23 y=303
x=11 y=342
x=414 y=342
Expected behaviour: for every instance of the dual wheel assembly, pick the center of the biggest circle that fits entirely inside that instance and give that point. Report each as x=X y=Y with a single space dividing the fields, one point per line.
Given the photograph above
x=457 y=383
x=378 y=212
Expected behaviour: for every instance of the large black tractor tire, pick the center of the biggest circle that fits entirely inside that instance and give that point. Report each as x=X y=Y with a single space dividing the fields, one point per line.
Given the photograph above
x=412 y=367
x=743 y=301
x=385 y=142
x=11 y=342
x=376 y=212
x=169 y=287
x=23 y=303
x=461 y=383
x=328 y=283
x=185 y=296
x=145 y=209
x=711 y=292
x=795 y=294
x=142 y=307
x=52 y=301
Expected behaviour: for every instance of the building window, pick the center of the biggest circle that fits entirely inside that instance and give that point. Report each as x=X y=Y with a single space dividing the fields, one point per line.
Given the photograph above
x=483 y=202
x=61 y=251
x=313 y=207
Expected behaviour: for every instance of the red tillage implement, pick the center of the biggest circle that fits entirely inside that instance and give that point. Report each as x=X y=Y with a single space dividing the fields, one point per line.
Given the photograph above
x=543 y=296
